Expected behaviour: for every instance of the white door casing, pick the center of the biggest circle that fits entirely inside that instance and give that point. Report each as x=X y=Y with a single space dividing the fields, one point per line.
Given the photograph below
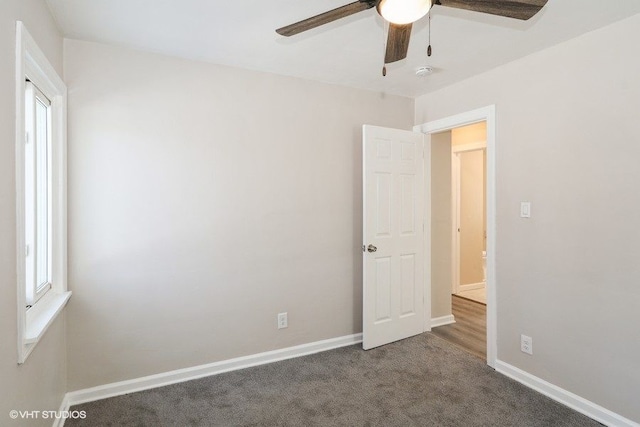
x=394 y=260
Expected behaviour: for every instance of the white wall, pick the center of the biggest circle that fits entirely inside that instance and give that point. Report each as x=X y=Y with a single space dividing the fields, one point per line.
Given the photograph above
x=441 y=224
x=472 y=213
x=40 y=383
x=472 y=201
x=470 y=134
x=568 y=141
x=203 y=200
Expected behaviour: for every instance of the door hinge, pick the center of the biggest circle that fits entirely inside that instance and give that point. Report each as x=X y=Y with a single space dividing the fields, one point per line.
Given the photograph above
x=26 y=137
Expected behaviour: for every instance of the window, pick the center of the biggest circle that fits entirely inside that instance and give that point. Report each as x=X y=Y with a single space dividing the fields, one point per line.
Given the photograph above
x=40 y=193
x=37 y=191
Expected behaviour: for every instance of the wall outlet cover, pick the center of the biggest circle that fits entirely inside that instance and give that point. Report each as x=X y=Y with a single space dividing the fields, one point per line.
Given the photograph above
x=526 y=344
x=283 y=321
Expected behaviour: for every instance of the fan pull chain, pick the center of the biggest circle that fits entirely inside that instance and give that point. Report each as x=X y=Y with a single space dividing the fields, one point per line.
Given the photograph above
x=385 y=29
x=429 y=24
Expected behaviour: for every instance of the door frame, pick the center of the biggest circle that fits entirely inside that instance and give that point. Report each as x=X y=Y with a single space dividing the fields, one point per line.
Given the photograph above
x=455 y=208
x=487 y=114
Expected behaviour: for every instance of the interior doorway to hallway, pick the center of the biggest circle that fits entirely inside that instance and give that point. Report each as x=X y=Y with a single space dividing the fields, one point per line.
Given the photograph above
x=468 y=201
x=441 y=286
x=459 y=236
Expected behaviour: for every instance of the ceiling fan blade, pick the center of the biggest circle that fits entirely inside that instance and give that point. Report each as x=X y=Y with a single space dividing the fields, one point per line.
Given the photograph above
x=325 y=18
x=397 y=42
x=518 y=9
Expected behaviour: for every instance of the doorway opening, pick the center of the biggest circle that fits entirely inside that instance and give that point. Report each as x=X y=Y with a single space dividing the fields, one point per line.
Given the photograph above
x=468 y=206
x=470 y=323
x=459 y=236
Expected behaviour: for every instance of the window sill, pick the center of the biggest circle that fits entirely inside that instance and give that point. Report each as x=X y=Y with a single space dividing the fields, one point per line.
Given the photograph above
x=42 y=314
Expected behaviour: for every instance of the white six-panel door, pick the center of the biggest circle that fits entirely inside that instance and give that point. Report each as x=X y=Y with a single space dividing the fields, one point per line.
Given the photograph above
x=393 y=234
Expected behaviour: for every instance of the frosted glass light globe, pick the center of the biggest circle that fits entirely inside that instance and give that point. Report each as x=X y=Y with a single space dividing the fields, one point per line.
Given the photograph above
x=403 y=12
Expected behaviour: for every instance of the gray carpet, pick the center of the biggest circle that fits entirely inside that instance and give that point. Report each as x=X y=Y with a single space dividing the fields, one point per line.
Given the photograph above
x=420 y=381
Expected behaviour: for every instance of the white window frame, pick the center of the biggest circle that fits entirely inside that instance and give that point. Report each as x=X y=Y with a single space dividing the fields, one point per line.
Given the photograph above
x=36 y=141
x=32 y=65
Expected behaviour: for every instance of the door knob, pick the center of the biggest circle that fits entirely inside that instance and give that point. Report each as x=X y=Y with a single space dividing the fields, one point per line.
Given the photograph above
x=371 y=248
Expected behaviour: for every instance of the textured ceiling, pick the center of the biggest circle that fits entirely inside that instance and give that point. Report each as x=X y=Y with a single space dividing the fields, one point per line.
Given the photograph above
x=346 y=52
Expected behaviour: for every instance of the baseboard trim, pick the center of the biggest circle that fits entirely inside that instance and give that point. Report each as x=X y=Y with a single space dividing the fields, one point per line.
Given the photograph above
x=565 y=397
x=552 y=391
x=442 y=320
x=186 y=374
x=64 y=407
x=471 y=286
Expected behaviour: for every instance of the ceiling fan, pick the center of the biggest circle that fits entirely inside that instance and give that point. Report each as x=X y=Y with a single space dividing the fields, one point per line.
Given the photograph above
x=401 y=14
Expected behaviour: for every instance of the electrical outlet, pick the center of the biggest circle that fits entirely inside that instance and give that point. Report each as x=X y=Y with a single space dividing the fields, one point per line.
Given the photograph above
x=282 y=320
x=526 y=344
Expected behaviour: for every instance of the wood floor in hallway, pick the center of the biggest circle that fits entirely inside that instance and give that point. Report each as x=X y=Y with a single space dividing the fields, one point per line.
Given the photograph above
x=470 y=329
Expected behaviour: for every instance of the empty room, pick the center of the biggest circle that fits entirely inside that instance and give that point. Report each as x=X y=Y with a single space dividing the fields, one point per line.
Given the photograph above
x=260 y=213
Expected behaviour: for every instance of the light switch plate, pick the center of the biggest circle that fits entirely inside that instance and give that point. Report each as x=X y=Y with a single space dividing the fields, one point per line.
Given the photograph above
x=525 y=209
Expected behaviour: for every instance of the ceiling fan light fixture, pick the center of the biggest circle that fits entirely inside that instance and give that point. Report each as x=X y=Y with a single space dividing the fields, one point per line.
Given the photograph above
x=403 y=12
